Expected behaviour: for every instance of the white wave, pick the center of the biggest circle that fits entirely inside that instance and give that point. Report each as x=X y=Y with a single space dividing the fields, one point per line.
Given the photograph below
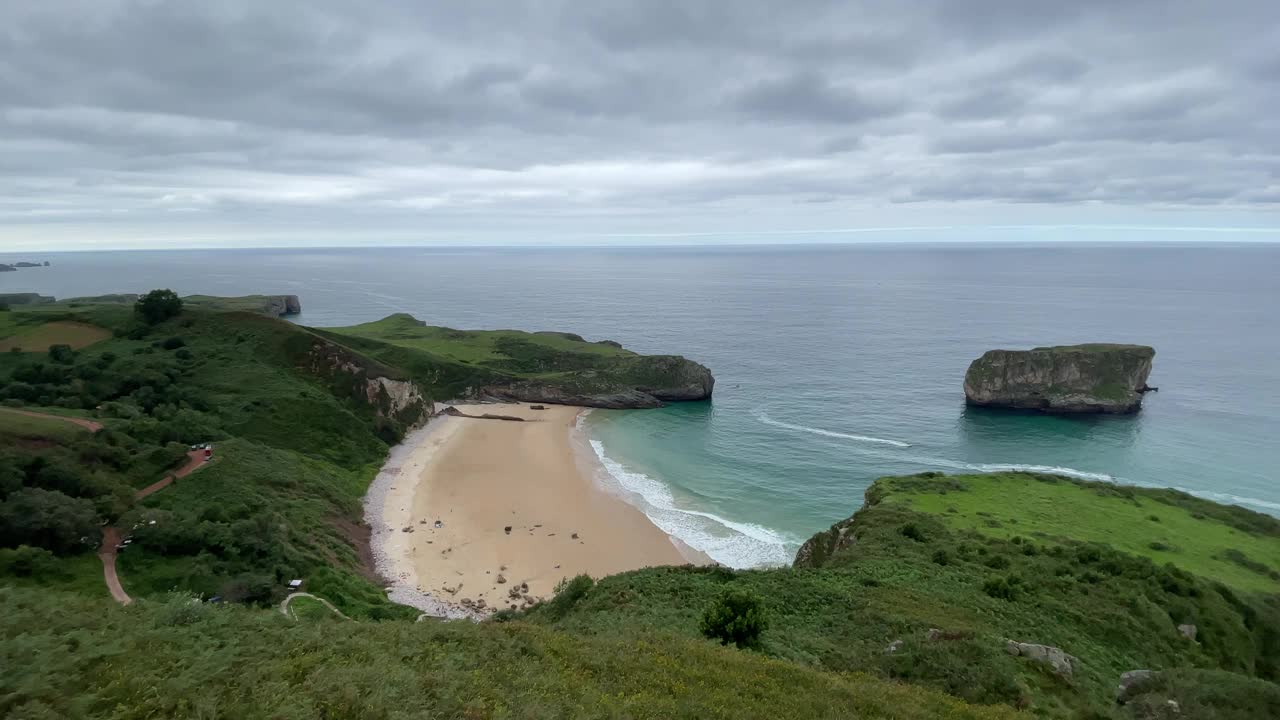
x=738 y=545
x=829 y=433
x=1229 y=498
x=1009 y=467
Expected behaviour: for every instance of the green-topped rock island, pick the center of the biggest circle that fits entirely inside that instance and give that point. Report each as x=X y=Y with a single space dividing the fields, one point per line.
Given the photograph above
x=1093 y=378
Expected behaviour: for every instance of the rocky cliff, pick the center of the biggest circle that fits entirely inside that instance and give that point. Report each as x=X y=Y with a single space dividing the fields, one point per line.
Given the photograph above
x=399 y=402
x=640 y=381
x=1067 y=379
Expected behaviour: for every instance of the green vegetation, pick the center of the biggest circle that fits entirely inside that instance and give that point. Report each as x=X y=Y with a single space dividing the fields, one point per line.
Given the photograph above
x=298 y=441
x=175 y=659
x=735 y=617
x=902 y=611
x=543 y=366
x=39 y=338
x=158 y=306
x=1211 y=540
x=953 y=591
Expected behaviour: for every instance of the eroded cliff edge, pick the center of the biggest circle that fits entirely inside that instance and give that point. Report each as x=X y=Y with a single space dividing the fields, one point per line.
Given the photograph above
x=1095 y=378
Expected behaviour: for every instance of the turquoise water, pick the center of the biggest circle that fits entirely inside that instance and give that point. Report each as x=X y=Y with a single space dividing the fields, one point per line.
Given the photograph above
x=834 y=365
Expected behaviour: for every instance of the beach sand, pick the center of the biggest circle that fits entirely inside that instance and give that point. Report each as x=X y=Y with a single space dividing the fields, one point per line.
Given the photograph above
x=478 y=477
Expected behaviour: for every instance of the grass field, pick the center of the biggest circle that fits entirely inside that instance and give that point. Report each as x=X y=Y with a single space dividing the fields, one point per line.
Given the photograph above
x=37 y=339
x=1131 y=520
x=470 y=346
x=16 y=426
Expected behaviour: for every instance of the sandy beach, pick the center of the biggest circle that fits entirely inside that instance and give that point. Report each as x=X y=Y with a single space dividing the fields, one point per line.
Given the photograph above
x=499 y=510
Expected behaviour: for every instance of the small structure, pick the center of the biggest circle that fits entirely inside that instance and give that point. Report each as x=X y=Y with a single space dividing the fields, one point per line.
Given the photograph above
x=295 y=584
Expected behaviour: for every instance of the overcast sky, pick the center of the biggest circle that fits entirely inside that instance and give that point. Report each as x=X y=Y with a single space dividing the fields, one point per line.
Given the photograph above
x=178 y=124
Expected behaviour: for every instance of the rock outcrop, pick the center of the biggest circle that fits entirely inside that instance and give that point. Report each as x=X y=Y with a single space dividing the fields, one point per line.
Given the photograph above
x=281 y=305
x=1131 y=682
x=1067 y=379
x=367 y=383
x=1061 y=662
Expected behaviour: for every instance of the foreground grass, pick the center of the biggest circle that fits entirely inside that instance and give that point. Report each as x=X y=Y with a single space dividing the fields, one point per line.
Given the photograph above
x=178 y=660
x=897 y=573
x=1162 y=525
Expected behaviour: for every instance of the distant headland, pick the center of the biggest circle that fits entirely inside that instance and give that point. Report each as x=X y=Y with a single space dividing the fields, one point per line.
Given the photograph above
x=5 y=267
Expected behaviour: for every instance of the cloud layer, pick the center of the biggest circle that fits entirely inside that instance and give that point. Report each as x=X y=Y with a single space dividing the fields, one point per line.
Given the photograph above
x=552 y=120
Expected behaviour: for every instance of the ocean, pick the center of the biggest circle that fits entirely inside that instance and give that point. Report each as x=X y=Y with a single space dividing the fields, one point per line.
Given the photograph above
x=834 y=365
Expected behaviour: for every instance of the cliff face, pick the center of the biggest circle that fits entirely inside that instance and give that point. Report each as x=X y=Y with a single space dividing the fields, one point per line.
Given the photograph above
x=279 y=305
x=1066 y=379
x=642 y=381
x=353 y=376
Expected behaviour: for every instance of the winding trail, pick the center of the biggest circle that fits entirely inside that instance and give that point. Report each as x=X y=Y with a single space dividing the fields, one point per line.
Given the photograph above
x=284 y=605
x=90 y=425
x=111 y=536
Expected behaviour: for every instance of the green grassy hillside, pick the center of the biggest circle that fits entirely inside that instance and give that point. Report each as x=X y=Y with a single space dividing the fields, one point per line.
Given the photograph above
x=298 y=439
x=893 y=572
x=902 y=611
x=176 y=659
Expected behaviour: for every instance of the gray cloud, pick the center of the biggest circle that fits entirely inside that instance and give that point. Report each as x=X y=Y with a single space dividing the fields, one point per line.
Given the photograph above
x=125 y=113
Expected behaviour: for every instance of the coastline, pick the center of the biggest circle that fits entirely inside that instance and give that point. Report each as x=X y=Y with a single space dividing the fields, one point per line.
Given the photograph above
x=472 y=515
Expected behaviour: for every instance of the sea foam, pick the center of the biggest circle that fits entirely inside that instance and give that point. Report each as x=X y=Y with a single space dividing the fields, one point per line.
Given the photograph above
x=829 y=433
x=736 y=544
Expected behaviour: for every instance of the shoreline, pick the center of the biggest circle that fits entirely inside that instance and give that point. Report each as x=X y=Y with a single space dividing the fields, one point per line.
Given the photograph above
x=471 y=515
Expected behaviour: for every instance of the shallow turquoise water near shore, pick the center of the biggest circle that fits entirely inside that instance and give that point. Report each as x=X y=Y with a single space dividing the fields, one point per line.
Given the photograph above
x=834 y=365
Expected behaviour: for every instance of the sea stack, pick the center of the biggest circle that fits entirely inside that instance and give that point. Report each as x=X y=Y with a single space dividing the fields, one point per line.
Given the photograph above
x=1095 y=378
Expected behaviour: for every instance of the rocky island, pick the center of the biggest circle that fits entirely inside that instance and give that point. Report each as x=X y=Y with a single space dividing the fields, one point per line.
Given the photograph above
x=1093 y=378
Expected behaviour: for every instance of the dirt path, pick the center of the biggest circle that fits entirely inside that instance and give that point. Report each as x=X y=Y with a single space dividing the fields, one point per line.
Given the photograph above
x=195 y=459
x=89 y=425
x=107 y=553
x=111 y=536
x=284 y=606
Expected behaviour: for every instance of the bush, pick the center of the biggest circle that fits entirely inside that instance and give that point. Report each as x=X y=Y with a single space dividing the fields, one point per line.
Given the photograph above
x=940 y=557
x=568 y=593
x=27 y=561
x=737 y=617
x=173 y=343
x=158 y=306
x=913 y=531
x=1001 y=588
x=62 y=354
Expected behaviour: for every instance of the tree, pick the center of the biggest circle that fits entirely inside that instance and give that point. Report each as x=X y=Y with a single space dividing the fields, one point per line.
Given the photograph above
x=47 y=519
x=737 y=617
x=158 y=306
x=62 y=354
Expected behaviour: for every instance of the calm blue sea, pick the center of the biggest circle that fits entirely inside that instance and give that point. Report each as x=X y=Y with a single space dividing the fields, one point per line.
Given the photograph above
x=835 y=365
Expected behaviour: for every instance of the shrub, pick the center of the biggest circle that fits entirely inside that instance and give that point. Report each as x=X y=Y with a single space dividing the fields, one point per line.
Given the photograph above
x=62 y=354
x=940 y=557
x=183 y=354
x=27 y=561
x=173 y=343
x=568 y=593
x=912 y=531
x=1001 y=588
x=737 y=617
